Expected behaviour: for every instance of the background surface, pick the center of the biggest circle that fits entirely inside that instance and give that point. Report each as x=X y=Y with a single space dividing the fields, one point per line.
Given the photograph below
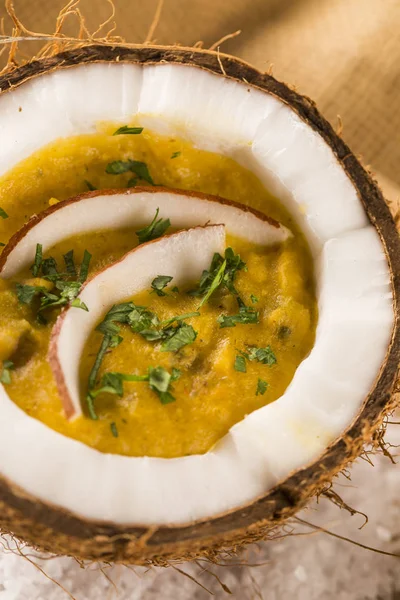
x=345 y=54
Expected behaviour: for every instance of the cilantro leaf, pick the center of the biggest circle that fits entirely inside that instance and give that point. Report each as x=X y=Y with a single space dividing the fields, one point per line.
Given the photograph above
x=69 y=263
x=246 y=315
x=159 y=380
x=35 y=268
x=261 y=387
x=182 y=335
x=3 y=213
x=117 y=167
x=263 y=355
x=84 y=270
x=90 y=186
x=5 y=375
x=125 y=129
x=49 y=267
x=222 y=273
x=175 y=154
x=114 y=429
x=26 y=293
x=240 y=364
x=159 y=283
x=253 y=298
x=141 y=170
x=156 y=229
x=2 y=244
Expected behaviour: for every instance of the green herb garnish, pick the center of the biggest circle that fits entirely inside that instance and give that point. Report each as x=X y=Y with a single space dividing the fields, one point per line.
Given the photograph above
x=117 y=167
x=221 y=274
x=159 y=283
x=175 y=154
x=159 y=380
x=83 y=273
x=3 y=213
x=140 y=169
x=38 y=260
x=240 y=364
x=69 y=263
x=65 y=290
x=182 y=335
x=246 y=315
x=156 y=229
x=26 y=293
x=263 y=355
x=114 y=429
x=253 y=298
x=175 y=289
x=125 y=129
x=5 y=376
x=261 y=387
x=2 y=244
x=90 y=186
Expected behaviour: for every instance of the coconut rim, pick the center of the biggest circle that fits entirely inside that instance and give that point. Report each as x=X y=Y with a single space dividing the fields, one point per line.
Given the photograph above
x=288 y=496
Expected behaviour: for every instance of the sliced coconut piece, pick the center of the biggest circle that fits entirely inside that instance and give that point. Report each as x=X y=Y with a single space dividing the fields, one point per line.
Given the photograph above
x=183 y=255
x=113 y=209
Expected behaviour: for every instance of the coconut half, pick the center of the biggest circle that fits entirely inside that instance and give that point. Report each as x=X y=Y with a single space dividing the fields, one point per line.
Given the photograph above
x=136 y=207
x=269 y=464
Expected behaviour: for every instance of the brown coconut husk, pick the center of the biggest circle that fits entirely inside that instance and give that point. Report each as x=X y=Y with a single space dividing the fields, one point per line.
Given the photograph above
x=58 y=531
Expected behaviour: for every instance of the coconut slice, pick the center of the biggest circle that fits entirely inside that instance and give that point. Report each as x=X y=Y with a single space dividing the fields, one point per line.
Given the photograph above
x=136 y=207
x=183 y=255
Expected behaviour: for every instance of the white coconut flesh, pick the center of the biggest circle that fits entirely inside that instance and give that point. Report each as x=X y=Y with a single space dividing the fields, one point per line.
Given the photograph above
x=134 y=208
x=354 y=294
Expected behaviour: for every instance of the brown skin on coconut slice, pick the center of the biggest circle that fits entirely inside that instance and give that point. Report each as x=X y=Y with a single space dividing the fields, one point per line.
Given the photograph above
x=59 y=531
x=11 y=252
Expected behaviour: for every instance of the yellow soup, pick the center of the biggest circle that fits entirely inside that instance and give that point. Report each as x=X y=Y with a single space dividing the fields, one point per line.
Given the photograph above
x=212 y=392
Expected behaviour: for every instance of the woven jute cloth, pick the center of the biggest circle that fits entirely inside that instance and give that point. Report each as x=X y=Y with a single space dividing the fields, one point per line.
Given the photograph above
x=345 y=54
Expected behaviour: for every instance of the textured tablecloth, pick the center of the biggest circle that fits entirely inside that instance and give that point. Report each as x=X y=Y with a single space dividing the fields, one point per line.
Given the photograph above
x=346 y=55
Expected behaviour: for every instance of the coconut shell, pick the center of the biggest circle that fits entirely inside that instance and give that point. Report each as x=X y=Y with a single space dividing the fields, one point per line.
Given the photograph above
x=56 y=530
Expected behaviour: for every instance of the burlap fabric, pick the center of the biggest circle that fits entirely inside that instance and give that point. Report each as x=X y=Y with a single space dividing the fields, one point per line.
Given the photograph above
x=345 y=54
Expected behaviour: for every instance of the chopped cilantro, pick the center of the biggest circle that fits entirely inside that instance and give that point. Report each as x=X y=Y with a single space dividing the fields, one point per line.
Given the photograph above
x=69 y=263
x=84 y=270
x=261 y=387
x=5 y=376
x=246 y=315
x=131 y=182
x=117 y=167
x=156 y=229
x=38 y=260
x=222 y=273
x=159 y=283
x=90 y=186
x=3 y=213
x=140 y=169
x=240 y=364
x=175 y=154
x=253 y=298
x=2 y=244
x=114 y=429
x=182 y=335
x=49 y=267
x=125 y=129
x=26 y=293
x=159 y=380
x=175 y=289
x=262 y=355
x=180 y=318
